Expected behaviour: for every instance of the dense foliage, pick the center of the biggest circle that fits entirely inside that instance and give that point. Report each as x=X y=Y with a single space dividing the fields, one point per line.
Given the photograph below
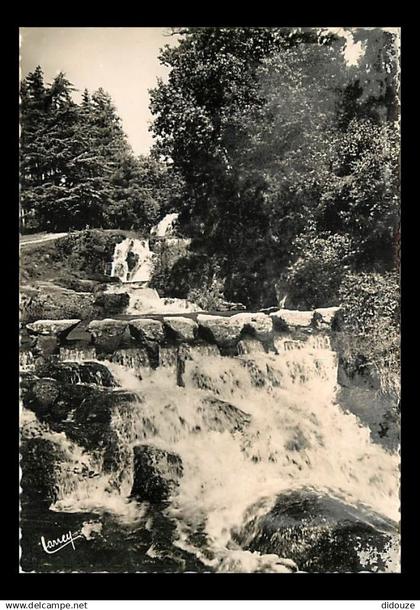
x=371 y=306
x=290 y=156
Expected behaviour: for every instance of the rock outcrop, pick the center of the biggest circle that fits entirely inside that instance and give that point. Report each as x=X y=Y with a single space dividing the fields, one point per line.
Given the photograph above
x=156 y=473
x=221 y=330
x=321 y=534
x=108 y=334
x=257 y=325
x=159 y=336
x=41 y=463
x=147 y=329
x=52 y=328
x=180 y=328
x=285 y=319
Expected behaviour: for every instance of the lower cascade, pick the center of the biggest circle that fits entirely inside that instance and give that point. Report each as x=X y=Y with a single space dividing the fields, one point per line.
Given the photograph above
x=227 y=463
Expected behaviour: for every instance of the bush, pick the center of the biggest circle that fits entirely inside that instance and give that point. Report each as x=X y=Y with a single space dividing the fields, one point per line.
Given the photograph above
x=88 y=250
x=314 y=278
x=208 y=296
x=371 y=313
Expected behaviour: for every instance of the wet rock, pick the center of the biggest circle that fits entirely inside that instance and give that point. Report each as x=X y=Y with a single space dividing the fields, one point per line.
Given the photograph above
x=325 y=317
x=135 y=358
x=247 y=345
x=108 y=335
x=220 y=415
x=41 y=466
x=285 y=319
x=322 y=534
x=257 y=325
x=26 y=340
x=99 y=407
x=51 y=400
x=156 y=473
x=181 y=329
x=46 y=346
x=224 y=331
x=44 y=394
x=27 y=380
x=147 y=329
x=77 y=372
x=52 y=328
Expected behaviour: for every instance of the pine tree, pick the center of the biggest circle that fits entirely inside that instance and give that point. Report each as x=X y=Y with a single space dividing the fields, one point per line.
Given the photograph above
x=33 y=144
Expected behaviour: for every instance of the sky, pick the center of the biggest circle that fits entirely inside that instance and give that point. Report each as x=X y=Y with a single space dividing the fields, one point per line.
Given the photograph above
x=123 y=61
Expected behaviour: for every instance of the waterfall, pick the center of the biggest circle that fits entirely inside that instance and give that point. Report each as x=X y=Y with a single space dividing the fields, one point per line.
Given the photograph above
x=165 y=226
x=133 y=261
x=246 y=429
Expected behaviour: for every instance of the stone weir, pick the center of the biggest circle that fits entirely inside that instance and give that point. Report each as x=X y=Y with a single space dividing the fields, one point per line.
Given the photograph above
x=157 y=340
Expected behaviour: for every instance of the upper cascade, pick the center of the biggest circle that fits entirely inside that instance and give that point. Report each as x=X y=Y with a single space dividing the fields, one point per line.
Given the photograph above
x=166 y=226
x=133 y=261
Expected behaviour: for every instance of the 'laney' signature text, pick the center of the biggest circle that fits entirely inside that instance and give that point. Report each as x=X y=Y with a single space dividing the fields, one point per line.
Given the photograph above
x=52 y=546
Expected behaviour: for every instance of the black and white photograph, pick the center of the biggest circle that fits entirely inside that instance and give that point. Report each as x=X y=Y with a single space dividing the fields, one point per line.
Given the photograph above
x=209 y=311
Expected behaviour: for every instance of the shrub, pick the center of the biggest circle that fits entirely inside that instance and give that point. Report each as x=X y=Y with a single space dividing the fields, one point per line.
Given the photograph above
x=209 y=295
x=314 y=278
x=371 y=312
x=88 y=250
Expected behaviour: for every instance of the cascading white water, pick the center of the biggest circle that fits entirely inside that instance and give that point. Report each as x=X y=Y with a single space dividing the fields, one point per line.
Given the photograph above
x=141 y=268
x=165 y=226
x=297 y=436
x=133 y=263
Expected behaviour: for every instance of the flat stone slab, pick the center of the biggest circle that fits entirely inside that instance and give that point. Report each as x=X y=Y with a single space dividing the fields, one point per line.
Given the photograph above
x=108 y=334
x=258 y=324
x=225 y=331
x=55 y=328
x=184 y=328
x=286 y=318
x=106 y=326
x=325 y=315
x=147 y=329
x=249 y=346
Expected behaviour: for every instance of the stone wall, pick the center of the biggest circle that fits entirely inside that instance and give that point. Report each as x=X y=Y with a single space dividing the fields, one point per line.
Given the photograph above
x=230 y=334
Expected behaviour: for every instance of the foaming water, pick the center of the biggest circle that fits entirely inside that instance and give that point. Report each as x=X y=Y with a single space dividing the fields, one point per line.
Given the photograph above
x=133 y=260
x=246 y=429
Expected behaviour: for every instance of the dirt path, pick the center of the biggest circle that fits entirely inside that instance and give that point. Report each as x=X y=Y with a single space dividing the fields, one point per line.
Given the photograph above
x=30 y=239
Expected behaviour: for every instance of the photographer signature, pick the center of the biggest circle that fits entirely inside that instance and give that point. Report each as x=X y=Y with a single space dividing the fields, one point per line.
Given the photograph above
x=55 y=545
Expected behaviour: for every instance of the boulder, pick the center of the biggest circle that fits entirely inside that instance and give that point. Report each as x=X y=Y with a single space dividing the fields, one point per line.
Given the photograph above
x=257 y=325
x=52 y=328
x=220 y=415
x=324 y=317
x=46 y=304
x=180 y=328
x=108 y=335
x=41 y=461
x=77 y=372
x=146 y=329
x=53 y=401
x=223 y=331
x=285 y=319
x=322 y=534
x=46 y=346
x=156 y=473
x=248 y=345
